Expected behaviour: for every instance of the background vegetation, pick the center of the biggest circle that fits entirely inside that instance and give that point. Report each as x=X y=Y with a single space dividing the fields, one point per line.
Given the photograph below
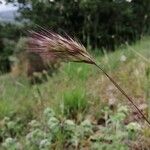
x=97 y=23
x=75 y=106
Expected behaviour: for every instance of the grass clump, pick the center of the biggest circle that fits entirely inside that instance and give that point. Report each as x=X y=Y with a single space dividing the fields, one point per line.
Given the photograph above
x=75 y=71
x=75 y=103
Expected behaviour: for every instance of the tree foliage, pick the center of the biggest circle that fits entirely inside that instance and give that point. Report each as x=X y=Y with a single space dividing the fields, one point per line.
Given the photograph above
x=98 y=23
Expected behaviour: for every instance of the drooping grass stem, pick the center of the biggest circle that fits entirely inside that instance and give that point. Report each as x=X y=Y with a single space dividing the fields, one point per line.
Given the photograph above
x=123 y=92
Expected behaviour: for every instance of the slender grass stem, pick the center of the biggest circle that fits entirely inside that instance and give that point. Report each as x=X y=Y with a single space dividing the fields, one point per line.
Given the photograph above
x=123 y=92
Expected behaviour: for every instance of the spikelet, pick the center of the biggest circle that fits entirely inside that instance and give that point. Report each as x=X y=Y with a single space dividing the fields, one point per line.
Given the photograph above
x=47 y=44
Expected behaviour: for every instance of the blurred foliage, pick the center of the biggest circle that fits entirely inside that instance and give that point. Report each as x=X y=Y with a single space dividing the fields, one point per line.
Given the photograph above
x=68 y=134
x=97 y=23
x=9 y=34
x=5 y=51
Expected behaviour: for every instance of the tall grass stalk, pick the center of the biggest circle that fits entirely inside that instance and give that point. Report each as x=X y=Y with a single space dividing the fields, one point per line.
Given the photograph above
x=47 y=44
x=138 y=54
x=147 y=74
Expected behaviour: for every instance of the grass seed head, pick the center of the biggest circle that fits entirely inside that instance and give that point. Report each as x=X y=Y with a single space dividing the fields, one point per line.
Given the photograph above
x=50 y=45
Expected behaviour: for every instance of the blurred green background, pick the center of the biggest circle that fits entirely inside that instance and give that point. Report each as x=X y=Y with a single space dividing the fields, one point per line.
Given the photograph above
x=73 y=106
x=98 y=24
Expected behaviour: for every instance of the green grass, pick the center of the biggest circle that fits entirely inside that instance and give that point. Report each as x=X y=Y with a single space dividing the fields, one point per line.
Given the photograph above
x=80 y=91
x=76 y=71
x=74 y=103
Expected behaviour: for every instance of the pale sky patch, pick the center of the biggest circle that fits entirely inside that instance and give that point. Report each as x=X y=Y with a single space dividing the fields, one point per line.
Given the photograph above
x=7 y=6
